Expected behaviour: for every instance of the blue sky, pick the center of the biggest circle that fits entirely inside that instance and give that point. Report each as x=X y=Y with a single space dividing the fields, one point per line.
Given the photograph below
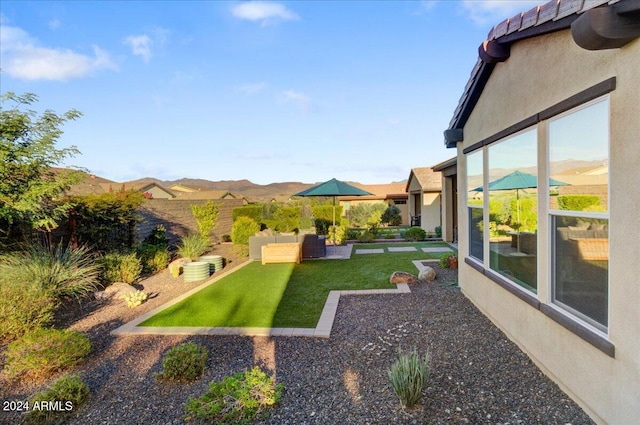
x=265 y=91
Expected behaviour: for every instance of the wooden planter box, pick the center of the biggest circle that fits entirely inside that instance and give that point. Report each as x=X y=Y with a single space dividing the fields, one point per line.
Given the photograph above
x=282 y=253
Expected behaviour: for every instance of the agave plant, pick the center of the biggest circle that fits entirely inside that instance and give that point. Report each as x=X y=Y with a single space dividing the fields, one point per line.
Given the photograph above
x=61 y=271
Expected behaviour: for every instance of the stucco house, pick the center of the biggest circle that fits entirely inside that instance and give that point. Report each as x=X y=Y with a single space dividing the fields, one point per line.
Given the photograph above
x=555 y=264
x=424 y=187
x=449 y=198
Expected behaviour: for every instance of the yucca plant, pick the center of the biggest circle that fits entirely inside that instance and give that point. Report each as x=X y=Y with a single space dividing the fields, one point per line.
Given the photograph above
x=62 y=271
x=408 y=376
x=193 y=246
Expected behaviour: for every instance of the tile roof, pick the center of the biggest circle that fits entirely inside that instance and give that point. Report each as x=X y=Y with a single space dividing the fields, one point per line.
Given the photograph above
x=552 y=16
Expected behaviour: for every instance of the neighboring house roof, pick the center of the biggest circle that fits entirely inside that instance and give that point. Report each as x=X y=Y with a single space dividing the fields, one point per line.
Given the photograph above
x=207 y=194
x=429 y=180
x=595 y=24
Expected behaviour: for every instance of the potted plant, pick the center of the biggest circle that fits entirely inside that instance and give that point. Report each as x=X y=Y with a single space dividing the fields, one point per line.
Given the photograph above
x=453 y=262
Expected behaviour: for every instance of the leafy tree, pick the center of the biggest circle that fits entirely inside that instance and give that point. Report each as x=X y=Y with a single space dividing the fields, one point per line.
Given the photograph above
x=287 y=219
x=206 y=216
x=391 y=216
x=29 y=185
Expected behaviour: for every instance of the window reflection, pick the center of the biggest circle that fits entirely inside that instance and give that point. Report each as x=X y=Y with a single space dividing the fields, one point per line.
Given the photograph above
x=513 y=208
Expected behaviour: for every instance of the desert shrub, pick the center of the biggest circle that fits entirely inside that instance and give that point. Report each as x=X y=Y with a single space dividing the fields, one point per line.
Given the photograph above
x=366 y=237
x=24 y=307
x=69 y=391
x=134 y=298
x=360 y=214
x=243 y=228
x=578 y=202
x=45 y=351
x=193 y=246
x=120 y=267
x=408 y=375
x=61 y=271
x=391 y=216
x=154 y=258
x=252 y=211
x=415 y=234
x=237 y=399
x=184 y=362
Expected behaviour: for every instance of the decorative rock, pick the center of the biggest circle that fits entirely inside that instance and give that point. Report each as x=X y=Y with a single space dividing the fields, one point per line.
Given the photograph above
x=427 y=274
x=402 y=277
x=176 y=266
x=118 y=288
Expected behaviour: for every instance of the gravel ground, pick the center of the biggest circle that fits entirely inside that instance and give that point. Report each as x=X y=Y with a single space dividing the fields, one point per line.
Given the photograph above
x=478 y=376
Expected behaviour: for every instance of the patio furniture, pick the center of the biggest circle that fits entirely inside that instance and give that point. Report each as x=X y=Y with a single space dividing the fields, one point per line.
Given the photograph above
x=313 y=246
x=282 y=253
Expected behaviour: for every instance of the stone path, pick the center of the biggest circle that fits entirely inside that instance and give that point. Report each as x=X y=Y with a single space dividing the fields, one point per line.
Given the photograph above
x=322 y=329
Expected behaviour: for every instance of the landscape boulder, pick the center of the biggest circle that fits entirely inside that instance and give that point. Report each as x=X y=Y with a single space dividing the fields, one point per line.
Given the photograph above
x=428 y=274
x=116 y=289
x=403 y=277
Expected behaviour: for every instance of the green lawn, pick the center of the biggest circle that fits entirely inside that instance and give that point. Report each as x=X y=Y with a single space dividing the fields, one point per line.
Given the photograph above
x=286 y=295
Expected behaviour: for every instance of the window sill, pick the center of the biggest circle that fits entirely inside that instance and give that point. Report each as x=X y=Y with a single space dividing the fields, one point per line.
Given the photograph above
x=576 y=328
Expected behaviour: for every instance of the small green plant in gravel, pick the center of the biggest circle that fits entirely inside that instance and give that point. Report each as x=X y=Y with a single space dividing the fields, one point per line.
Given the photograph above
x=237 y=399
x=45 y=351
x=408 y=376
x=66 y=394
x=193 y=246
x=184 y=362
x=135 y=298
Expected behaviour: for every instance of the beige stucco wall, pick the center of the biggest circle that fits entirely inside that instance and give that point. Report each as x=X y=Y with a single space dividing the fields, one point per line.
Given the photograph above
x=429 y=205
x=540 y=73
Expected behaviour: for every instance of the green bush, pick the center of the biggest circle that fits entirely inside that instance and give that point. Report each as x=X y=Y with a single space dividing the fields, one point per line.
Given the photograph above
x=415 y=234
x=243 y=228
x=322 y=226
x=578 y=202
x=254 y=212
x=193 y=246
x=120 y=267
x=408 y=375
x=338 y=234
x=157 y=237
x=45 y=351
x=438 y=231
x=366 y=237
x=69 y=391
x=154 y=258
x=24 y=307
x=287 y=219
x=352 y=234
x=226 y=238
x=62 y=272
x=325 y=212
x=184 y=362
x=237 y=399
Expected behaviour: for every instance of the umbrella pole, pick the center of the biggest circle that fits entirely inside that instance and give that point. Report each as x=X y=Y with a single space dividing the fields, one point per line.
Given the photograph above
x=518 y=215
x=333 y=234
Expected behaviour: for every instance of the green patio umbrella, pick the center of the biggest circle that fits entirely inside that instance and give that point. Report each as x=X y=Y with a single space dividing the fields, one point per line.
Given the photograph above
x=515 y=181
x=333 y=188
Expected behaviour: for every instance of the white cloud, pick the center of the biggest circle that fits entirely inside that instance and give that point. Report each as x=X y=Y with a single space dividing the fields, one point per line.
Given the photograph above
x=251 y=89
x=492 y=12
x=300 y=99
x=54 y=24
x=140 y=46
x=265 y=12
x=23 y=58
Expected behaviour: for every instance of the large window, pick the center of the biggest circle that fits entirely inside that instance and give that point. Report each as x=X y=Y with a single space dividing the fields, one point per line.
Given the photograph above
x=513 y=208
x=475 y=204
x=579 y=158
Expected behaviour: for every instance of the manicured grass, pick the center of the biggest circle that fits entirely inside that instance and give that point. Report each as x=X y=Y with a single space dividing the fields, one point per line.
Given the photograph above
x=286 y=295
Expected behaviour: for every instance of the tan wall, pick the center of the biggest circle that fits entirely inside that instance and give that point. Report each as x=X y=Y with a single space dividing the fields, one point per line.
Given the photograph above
x=430 y=216
x=540 y=73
